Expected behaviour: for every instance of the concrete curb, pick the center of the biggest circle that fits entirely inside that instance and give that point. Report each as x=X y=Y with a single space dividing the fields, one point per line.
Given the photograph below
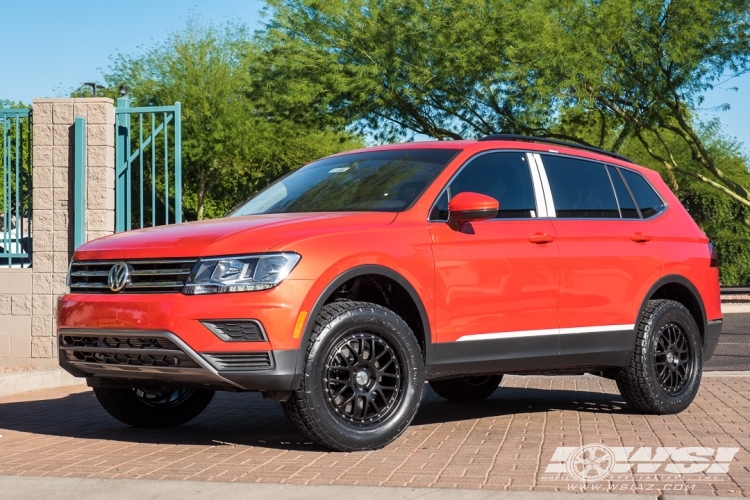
x=68 y=488
x=727 y=374
x=735 y=308
x=19 y=382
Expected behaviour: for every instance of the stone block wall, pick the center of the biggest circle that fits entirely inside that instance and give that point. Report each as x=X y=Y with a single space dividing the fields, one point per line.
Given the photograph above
x=52 y=233
x=15 y=315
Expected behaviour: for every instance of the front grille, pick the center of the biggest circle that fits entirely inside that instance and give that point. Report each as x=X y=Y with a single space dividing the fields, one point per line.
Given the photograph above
x=124 y=350
x=245 y=361
x=146 y=276
x=238 y=330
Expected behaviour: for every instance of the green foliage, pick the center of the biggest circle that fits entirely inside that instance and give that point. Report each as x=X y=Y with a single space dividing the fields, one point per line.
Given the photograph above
x=398 y=67
x=230 y=147
x=628 y=76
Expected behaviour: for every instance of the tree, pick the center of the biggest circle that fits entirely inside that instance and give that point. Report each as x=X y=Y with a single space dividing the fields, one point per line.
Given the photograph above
x=443 y=68
x=458 y=69
x=231 y=148
x=644 y=66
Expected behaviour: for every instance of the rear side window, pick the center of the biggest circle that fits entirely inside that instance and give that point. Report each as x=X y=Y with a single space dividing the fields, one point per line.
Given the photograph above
x=645 y=196
x=503 y=176
x=627 y=207
x=580 y=189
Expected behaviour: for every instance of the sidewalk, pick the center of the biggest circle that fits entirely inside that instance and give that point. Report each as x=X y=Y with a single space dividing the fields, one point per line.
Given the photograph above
x=23 y=488
x=504 y=444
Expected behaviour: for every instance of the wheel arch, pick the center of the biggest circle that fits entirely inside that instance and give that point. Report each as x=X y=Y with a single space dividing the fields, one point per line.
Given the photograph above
x=347 y=276
x=682 y=290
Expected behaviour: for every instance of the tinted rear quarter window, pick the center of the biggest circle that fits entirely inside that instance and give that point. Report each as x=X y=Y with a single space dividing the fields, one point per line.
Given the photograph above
x=627 y=207
x=580 y=189
x=645 y=196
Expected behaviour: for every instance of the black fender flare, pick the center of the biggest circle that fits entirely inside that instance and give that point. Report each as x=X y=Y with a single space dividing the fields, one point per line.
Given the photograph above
x=337 y=282
x=681 y=280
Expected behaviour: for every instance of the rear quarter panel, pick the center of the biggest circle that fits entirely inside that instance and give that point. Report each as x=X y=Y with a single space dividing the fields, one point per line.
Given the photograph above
x=684 y=248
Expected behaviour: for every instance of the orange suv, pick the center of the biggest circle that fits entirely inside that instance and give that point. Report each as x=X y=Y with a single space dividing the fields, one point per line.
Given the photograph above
x=344 y=286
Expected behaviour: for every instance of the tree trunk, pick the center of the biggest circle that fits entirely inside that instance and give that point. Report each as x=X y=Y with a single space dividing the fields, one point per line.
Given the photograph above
x=201 y=196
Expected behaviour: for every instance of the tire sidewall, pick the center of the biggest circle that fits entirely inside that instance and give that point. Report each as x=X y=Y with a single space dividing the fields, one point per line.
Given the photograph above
x=395 y=331
x=672 y=312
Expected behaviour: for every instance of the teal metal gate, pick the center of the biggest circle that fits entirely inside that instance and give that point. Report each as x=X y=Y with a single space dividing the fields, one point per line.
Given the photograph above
x=15 y=187
x=148 y=165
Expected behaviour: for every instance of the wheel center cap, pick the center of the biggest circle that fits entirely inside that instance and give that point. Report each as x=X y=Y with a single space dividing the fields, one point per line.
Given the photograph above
x=670 y=357
x=362 y=377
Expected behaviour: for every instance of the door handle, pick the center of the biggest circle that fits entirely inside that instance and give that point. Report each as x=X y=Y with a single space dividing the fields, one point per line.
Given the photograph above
x=539 y=238
x=640 y=237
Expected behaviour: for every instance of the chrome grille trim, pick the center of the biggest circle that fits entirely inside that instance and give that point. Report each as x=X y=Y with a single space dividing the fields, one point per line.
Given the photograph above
x=159 y=272
x=146 y=275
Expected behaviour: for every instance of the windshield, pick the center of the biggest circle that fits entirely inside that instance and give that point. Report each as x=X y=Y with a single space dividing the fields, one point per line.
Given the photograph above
x=382 y=181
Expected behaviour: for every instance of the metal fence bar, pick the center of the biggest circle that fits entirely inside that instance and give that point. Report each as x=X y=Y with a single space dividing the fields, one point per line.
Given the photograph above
x=142 y=147
x=178 y=162
x=15 y=204
x=153 y=170
x=140 y=161
x=166 y=171
x=79 y=181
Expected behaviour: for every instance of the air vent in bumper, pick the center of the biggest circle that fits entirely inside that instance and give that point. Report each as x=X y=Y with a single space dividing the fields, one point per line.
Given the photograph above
x=236 y=330
x=241 y=361
x=124 y=351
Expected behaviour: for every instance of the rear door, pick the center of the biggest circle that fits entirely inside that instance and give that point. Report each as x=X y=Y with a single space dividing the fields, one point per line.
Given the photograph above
x=607 y=255
x=497 y=280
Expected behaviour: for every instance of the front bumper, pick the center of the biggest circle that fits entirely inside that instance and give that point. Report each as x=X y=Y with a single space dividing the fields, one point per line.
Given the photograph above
x=176 y=323
x=133 y=357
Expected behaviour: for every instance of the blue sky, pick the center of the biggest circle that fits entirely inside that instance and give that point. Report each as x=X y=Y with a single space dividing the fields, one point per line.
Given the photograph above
x=52 y=46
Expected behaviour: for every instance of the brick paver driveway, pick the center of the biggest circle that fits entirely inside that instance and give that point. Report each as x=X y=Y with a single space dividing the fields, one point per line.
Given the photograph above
x=505 y=442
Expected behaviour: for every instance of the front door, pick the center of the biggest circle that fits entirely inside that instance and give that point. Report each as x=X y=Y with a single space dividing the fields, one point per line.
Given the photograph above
x=497 y=280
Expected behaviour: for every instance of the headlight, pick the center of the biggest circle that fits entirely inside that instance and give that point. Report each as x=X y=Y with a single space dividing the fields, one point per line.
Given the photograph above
x=240 y=274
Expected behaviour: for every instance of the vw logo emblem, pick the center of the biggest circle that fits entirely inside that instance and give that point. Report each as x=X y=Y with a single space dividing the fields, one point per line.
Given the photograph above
x=119 y=277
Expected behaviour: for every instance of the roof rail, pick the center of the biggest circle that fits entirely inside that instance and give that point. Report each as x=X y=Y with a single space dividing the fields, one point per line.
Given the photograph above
x=514 y=137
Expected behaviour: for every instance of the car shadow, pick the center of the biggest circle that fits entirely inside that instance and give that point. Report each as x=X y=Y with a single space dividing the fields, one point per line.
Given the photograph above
x=246 y=419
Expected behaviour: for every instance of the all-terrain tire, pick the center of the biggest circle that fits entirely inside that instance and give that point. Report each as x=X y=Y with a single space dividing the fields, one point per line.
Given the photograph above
x=640 y=382
x=346 y=336
x=469 y=388
x=127 y=406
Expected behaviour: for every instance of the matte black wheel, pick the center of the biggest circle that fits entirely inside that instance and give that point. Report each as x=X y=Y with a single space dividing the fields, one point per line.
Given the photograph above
x=469 y=388
x=362 y=381
x=665 y=373
x=153 y=406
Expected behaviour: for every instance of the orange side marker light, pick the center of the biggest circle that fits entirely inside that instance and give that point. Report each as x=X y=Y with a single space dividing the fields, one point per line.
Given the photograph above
x=300 y=324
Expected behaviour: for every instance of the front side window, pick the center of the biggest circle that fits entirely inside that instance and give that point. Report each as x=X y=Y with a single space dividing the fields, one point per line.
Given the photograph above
x=580 y=189
x=645 y=197
x=503 y=176
x=380 y=181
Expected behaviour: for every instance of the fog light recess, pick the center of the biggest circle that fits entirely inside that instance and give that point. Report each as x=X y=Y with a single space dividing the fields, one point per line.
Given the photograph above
x=236 y=330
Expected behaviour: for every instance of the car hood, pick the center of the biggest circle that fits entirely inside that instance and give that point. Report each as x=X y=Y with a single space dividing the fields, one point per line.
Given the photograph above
x=228 y=236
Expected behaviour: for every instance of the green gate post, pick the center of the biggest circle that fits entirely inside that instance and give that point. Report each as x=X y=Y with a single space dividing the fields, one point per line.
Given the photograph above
x=79 y=181
x=122 y=168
